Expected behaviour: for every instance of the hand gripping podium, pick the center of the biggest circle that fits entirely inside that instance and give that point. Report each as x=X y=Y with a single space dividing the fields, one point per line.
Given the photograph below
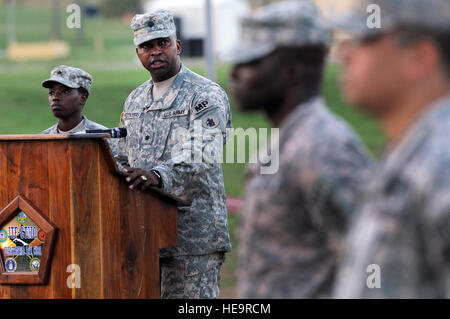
x=69 y=225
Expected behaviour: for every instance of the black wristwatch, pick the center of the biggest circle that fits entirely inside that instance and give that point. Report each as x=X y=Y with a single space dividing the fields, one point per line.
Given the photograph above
x=159 y=177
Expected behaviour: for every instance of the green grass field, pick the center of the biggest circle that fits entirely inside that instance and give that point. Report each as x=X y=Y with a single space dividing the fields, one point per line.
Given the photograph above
x=116 y=72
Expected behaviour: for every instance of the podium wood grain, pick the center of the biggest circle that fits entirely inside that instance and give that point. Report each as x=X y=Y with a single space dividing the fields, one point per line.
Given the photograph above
x=111 y=232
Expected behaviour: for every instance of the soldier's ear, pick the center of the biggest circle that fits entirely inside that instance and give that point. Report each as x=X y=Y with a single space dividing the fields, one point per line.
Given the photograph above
x=179 y=47
x=83 y=98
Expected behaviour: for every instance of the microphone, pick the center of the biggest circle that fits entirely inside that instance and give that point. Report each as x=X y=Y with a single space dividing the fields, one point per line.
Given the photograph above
x=116 y=132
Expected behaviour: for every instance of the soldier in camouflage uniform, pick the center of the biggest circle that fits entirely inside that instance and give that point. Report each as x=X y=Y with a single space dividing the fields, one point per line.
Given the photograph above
x=399 y=247
x=69 y=89
x=293 y=219
x=172 y=120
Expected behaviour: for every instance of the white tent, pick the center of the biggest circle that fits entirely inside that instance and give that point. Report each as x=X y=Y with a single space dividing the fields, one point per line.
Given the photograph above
x=225 y=19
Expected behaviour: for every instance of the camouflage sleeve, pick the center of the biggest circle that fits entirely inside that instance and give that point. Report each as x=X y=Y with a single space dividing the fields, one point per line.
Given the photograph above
x=437 y=223
x=200 y=147
x=341 y=172
x=119 y=147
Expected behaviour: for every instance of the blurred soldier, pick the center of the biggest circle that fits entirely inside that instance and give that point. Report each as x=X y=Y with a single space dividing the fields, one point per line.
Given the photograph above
x=293 y=219
x=69 y=89
x=400 y=72
x=162 y=116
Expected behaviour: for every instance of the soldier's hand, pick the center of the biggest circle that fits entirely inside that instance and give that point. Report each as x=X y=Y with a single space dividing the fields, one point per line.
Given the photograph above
x=141 y=179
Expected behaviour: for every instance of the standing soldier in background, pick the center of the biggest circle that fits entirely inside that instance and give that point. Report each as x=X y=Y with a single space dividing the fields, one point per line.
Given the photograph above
x=178 y=100
x=68 y=90
x=399 y=247
x=293 y=219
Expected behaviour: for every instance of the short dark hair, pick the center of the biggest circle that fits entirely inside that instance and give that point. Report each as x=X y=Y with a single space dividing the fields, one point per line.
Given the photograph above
x=410 y=35
x=312 y=60
x=443 y=42
x=83 y=91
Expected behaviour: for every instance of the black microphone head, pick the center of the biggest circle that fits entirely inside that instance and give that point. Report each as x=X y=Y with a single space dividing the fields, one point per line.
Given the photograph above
x=118 y=132
x=123 y=132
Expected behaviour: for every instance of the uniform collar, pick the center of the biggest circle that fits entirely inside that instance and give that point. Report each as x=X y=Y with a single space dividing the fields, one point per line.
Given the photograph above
x=302 y=111
x=418 y=131
x=168 y=98
x=79 y=127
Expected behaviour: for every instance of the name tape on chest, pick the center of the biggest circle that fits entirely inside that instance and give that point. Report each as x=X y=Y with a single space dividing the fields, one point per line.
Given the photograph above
x=174 y=113
x=131 y=115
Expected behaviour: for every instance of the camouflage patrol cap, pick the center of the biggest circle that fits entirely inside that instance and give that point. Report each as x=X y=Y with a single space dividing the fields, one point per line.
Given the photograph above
x=288 y=23
x=362 y=20
x=153 y=25
x=69 y=76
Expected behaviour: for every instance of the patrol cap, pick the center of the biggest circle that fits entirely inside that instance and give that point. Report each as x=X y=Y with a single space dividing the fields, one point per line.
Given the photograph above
x=69 y=76
x=426 y=14
x=288 y=23
x=153 y=25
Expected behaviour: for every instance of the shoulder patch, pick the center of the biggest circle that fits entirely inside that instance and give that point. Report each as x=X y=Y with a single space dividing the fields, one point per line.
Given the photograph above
x=210 y=121
x=202 y=106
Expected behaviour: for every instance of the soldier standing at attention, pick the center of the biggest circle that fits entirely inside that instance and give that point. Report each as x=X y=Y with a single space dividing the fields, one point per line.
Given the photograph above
x=399 y=247
x=293 y=219
x=69 y=89
x=176 y=100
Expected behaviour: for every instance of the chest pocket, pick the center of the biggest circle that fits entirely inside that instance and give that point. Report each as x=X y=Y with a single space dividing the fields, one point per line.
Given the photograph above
x=153 y=135
x=132 y=122
x=177 y=123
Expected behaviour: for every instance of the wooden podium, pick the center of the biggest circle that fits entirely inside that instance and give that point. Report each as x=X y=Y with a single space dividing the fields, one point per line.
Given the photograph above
x=69 y=225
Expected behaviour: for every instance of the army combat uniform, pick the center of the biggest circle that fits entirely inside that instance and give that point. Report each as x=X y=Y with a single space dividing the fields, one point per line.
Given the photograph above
x=404 y=225
x=293 y=220
x=399 y=246
x=191 y=102
x=172 y=135
x=85 y=124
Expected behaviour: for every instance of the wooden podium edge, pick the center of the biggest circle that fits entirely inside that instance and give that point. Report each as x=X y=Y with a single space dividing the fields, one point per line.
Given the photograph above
x=178 y=201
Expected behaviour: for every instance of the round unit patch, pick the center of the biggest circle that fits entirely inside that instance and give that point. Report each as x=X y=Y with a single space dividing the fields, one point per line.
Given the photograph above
x=211 y=121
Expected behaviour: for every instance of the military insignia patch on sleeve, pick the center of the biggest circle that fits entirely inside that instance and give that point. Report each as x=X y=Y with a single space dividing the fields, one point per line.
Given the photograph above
x=202 y=106
x=211 y=121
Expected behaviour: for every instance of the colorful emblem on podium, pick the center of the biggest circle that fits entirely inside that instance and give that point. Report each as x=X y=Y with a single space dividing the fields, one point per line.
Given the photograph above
x=21 y=244
x=3 y=236
x=34 y=264
x=21 y=218
x=10 y=265
x=41 y=235
x=26 y=241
